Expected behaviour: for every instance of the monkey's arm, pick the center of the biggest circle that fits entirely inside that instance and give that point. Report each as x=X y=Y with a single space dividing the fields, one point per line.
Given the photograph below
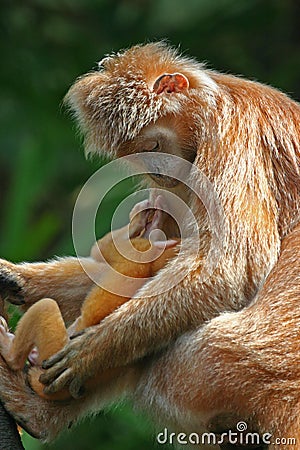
x=141 y=326
x=62 y=279
x=102 y=301
x=67 y=280
x=121 y=281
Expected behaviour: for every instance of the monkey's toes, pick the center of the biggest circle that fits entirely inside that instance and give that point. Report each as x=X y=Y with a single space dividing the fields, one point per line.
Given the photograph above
x=139 y=208
x=139 y=217
x=3 y=324
x=6 y=340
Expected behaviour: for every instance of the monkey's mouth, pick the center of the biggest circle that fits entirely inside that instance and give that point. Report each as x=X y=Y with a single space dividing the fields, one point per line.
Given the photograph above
x=164 y=180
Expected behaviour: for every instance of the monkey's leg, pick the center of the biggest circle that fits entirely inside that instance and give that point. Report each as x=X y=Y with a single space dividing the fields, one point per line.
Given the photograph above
x=45 y=419
x=63 y=279
x=242 y=364
x=42 y=326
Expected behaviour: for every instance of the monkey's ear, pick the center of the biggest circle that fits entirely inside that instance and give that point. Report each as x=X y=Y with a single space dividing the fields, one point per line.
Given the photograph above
x=171 y=82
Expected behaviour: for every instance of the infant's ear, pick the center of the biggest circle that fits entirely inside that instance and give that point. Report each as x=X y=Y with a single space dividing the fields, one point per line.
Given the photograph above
x=171 y=82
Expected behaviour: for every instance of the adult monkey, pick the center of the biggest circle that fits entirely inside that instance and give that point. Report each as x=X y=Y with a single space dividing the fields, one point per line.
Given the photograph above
x=244 y=137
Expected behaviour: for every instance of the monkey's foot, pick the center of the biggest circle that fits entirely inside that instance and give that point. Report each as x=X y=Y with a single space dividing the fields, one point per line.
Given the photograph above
x=146 y=217
x=155 y=222
x=13 y=361
x=33 y=357
x=6 y=340
x=4 y=324
x=138 y=218
x=11 y=283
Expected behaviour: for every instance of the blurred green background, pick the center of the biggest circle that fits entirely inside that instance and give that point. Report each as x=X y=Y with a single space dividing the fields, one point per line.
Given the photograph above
x=45 y=45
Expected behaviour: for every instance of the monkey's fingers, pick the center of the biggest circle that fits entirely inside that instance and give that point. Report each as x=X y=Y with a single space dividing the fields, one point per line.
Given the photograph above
x=63 y=380
x=4 y=324
x=139 y=218
x=53 y=360
x=138 y=208
x=57 y=379
x=59 y=366
x=54 y=373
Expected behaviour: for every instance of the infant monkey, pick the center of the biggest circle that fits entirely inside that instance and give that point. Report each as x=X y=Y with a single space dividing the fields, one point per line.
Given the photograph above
x=126 y=252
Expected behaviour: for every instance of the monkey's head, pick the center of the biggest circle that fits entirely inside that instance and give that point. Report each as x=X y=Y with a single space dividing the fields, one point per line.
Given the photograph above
x=144 y=99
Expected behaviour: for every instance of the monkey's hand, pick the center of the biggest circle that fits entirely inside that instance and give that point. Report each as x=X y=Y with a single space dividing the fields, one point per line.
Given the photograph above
x=63 y=279
x=11 y=283
x=73 y=365
x=161 y=310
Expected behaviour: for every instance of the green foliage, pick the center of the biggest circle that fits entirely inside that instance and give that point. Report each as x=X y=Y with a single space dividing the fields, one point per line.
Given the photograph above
x=45 y=45
x=115 y=430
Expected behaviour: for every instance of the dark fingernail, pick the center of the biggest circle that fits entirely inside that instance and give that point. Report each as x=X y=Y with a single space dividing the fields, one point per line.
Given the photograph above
x=45 y=364
x=48 y=390
x=42 y=380
x=78 y=394
x=81 y=392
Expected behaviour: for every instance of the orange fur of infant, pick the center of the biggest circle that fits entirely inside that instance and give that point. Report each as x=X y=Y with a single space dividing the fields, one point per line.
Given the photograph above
x=43 y=326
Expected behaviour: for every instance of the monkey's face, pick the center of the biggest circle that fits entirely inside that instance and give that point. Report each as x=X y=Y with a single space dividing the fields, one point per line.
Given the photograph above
x=145 y=99
x=154 y=148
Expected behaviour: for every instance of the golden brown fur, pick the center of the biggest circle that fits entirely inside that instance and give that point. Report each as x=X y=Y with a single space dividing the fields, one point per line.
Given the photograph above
x=43 y=327
x=244 y=137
